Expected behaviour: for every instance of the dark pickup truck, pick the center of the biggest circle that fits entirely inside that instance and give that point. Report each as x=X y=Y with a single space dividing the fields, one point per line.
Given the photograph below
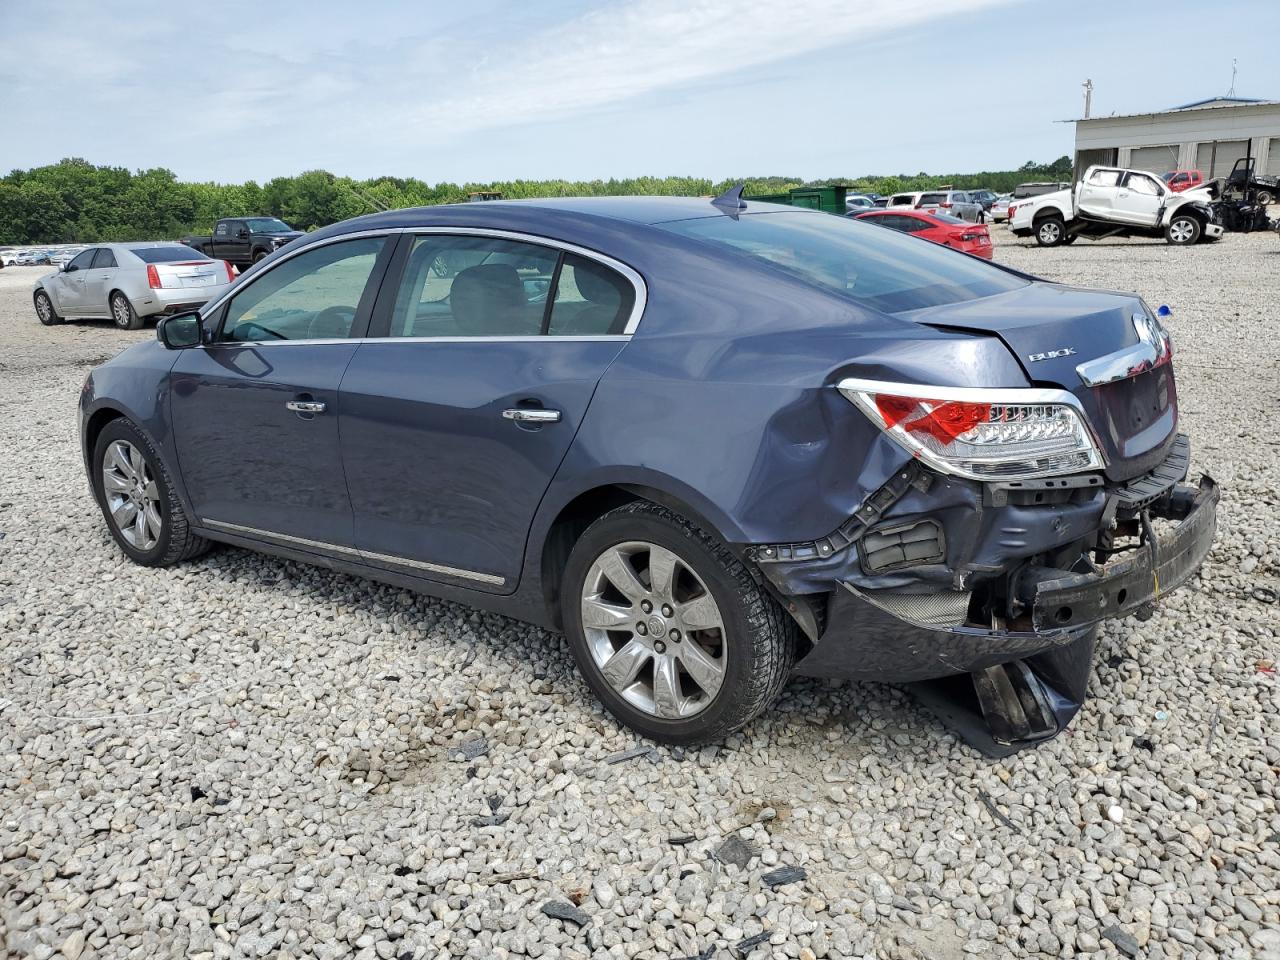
x=243 y=241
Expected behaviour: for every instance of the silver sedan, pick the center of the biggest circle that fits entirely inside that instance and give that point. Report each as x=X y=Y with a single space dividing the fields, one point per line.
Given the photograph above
x=129 y=282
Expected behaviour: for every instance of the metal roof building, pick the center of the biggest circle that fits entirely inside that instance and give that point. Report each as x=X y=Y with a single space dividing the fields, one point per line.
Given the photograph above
x=1208 y=135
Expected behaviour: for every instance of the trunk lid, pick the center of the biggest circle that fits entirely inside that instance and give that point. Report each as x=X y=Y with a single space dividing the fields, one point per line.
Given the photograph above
x=1051 y=330
x=191 y=273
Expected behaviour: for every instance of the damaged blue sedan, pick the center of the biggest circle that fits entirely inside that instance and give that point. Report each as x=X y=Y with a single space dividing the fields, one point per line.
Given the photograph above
x=714 y=442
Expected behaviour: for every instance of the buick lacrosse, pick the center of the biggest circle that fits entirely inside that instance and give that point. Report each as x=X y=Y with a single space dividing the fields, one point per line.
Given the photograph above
x=714 y=442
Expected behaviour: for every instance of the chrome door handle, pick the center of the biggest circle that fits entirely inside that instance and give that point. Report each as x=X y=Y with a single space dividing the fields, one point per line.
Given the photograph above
x=532 y=415
x=305 y=406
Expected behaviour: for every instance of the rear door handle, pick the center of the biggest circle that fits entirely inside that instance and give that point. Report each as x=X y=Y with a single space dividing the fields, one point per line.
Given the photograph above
x=305 y=406
x=532 y=415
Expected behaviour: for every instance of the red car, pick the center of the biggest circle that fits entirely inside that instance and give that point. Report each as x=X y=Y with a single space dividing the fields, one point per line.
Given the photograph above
x=1179 y=180
x=939 y=227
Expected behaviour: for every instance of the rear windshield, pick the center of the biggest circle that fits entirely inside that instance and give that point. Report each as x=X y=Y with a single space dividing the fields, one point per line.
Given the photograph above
x=933 y=198
x=166 y=254
x=880 y=269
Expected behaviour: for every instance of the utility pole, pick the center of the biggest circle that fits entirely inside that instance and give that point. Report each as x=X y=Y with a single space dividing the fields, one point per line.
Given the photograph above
x=1088 y=97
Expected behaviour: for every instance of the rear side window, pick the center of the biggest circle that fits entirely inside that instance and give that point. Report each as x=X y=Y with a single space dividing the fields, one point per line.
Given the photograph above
x=591 y=299
x=105 y=258
x=875 y=268
x=166 y=254
x=468 y=286
x=1104 y=178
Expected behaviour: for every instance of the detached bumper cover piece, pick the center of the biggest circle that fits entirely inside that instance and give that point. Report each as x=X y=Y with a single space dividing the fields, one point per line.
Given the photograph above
x=1158 y=567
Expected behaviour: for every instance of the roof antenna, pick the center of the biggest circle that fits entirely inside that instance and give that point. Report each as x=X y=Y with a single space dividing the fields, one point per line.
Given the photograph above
x=1232 y=91
x=731 y=199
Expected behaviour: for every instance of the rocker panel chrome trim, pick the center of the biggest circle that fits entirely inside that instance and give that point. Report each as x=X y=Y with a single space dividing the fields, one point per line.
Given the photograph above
x=320 y=545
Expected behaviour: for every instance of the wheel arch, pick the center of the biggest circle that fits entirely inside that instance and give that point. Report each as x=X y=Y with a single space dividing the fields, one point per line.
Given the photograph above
x=575 y=516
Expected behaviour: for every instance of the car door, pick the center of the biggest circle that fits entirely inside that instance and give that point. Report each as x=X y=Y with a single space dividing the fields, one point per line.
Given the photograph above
x=1139 y=199
x=97 y=283
x=223 y=246
x=1097 y=197
x=455 y=417
x=68 y=284
x=255 y=410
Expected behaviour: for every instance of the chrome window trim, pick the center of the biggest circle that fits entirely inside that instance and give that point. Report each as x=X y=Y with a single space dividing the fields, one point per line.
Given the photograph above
x=632 y=275
x=536 y=338
x=324 y=547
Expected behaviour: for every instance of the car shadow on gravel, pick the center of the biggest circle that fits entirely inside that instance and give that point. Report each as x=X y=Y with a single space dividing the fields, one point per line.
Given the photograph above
x=880 y=717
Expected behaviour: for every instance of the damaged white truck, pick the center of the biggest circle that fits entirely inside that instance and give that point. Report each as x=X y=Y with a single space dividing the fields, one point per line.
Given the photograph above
x=1114 y=202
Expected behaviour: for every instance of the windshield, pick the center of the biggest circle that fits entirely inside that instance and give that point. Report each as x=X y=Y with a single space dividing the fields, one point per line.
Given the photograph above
x=880 y=269
x=177 y=254
x=267 y=225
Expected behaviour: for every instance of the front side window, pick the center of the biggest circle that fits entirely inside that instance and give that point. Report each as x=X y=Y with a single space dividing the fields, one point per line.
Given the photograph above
x=1141 y=183
x=874 y=268
x=82 y=261
x=312 y=296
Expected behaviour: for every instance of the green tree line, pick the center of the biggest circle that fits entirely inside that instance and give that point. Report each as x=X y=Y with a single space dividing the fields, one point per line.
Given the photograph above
x=76 y=201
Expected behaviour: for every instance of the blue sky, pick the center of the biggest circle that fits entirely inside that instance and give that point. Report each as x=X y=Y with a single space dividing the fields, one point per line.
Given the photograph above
x=492 y=90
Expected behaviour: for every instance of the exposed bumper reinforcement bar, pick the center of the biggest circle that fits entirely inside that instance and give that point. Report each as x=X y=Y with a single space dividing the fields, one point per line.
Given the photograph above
x=1157 y=567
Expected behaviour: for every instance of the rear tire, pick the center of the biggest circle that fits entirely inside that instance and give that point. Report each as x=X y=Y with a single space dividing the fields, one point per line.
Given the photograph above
x=1265 y=197
x=45 y=311
x=122 y=312
x=747 y=658
x=1051 y=231
x=145 y=473
x=1183 y=230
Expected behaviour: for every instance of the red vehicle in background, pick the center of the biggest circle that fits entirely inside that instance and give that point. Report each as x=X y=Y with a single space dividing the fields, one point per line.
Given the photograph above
x=1179 y=180
x=939 y=227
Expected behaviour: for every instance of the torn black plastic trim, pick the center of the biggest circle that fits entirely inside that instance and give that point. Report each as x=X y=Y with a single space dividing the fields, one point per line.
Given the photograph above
x=912 y=474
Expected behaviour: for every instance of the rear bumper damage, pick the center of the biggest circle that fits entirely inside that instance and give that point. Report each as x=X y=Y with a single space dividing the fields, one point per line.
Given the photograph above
x=1003 y=583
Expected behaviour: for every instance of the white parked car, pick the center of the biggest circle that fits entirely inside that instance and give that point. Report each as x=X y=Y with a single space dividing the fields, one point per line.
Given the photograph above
x=999 y=211
x=904 y=200
x=858 y=203
x=1112 y=201
x=129 y=282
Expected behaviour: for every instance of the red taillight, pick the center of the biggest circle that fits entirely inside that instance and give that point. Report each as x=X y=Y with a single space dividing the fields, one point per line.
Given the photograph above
x=153 y=277
x=944 y=420
x=230 y=273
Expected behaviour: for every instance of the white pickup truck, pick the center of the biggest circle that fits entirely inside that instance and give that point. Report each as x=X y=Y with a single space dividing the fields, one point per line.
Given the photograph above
x=1109 y=202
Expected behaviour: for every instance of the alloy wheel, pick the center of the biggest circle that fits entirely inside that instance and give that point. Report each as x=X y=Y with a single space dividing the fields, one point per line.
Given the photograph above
x=44 y=309
x=1181 y=231
x=133 y=499
x=1049 y=232
x=120 y=311
x=654 y=630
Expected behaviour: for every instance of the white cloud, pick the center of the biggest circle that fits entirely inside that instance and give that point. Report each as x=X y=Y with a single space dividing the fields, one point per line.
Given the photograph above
x=621 y=51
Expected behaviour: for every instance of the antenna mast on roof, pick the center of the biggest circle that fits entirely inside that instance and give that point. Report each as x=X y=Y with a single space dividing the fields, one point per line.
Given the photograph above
x=1088 y=97
x=1232 y=91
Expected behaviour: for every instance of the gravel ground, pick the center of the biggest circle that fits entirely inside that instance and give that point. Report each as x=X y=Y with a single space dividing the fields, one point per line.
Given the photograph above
x=244 y=756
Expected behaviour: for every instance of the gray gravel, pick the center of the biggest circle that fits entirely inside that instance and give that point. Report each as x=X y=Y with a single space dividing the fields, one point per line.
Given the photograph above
x=253 y=758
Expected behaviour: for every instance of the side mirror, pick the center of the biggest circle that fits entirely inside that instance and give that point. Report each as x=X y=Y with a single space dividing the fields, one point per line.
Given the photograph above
x=69 y=267
x=180 y=331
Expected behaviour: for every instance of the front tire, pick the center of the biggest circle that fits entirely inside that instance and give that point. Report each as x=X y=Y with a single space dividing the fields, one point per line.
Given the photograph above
x=1265 y=197
x=123 y=314
x=1051 y=231
x=669 y=629
x=45 y=311
x=1183 y=230
x=133 y=489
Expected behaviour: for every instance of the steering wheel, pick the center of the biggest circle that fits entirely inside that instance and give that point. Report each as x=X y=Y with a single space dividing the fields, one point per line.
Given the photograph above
x=332 y=322
x=257 y=326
